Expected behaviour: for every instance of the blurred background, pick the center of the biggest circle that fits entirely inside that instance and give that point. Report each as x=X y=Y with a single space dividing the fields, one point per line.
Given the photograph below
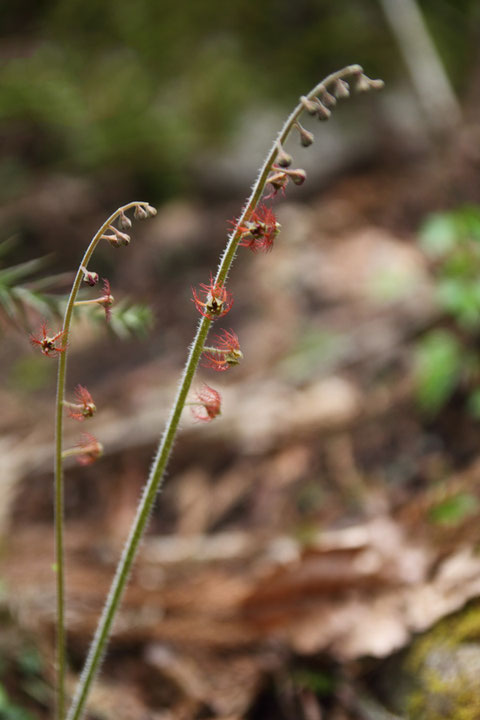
x=313 y=554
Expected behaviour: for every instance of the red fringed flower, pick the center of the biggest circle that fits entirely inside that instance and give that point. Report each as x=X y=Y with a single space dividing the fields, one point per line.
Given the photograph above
x=225 y=353
x=207 y=406
x=84 y=408
x=49 y=344
x=212 y=300
x=88 y=449
x=259 y=232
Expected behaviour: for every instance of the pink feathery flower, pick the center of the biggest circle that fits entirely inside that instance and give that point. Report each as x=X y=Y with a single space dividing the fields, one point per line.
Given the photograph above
x=225 y=353
x=89 y=449
x=207 y=406
x=49 y=343
x=212 y=300
x=85 y=407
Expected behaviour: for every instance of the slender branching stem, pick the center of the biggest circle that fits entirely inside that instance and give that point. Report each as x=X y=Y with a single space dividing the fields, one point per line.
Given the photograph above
x=98 y=645
x=58 y=468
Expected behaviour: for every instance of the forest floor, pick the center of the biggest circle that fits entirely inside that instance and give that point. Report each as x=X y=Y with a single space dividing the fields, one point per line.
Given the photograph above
x=299 y=544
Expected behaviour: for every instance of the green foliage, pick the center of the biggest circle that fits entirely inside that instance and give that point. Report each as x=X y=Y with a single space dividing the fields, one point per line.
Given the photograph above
x=20 y=291
x=10 y=710
x=448 y=358
x=131 y=320
x=319 y=682
x=127 y=320
x=127 y=102
x=438 y=365
x=454 y=510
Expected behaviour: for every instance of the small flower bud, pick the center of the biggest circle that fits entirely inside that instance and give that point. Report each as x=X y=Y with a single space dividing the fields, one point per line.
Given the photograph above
x=140 y=213
x=91 y=278
x=306 y=137
x=124 y=222
x=277 y=181
x=123 y=238
x=376 y=84
x=112 y=239
x=362 y=83
x=151 y=211
x=283 y=159
x=322 y=112
x=341 y=89
x=328 y=99
x=298 y=176
x=309 y=105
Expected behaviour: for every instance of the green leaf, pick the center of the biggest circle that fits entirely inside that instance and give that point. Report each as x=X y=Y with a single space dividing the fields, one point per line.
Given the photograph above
x=438 y=235
x=438 y=367
x=134 y=320
x=454 y=510
x=460 y=297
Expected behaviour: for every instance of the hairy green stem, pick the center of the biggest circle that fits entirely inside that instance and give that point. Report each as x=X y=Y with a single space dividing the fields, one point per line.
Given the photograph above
x=58 y=466
x=98 y=645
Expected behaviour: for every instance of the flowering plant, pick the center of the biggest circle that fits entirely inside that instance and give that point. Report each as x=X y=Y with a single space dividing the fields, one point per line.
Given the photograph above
x=255 y=229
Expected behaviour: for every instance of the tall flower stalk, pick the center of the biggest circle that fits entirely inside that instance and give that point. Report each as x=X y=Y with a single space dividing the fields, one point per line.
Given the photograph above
x=59 y=344
x=256 y=228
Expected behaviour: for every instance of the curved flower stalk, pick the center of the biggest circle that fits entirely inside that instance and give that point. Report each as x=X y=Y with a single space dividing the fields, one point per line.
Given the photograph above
x=89 y=448
x=254 y=229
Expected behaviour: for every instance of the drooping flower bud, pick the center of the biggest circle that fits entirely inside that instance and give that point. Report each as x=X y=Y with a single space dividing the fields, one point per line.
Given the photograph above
x=306 y=137
x=309 y=105
x=89 y=277
x=283 y=159
x=122 y=238
x=277 y=181
x=140 y=213
x=376 y=84
x=298 y=176
x=341 y=89
x=151 y=211
x=112 y=239
x=124 y=221
x=328 y=99
x=364 y=83
x=322 y=112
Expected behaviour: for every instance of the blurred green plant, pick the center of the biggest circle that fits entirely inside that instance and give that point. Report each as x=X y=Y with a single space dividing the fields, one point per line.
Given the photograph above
x=452 y=511
x=10 y=710
x=20 y=291
x=449 y=358
x=127 y=103
x=23 y=294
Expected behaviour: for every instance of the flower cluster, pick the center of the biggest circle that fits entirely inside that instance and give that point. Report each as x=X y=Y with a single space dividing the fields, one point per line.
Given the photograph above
x=117 y=237
x=89 y=449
